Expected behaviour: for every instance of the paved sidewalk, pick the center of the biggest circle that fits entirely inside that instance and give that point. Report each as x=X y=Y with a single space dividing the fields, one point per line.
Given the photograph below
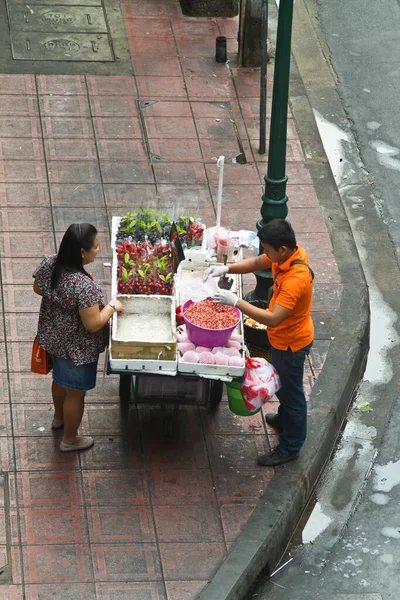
x=139 y=516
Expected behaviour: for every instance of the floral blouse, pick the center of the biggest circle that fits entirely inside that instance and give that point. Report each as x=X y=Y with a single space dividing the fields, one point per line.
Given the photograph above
x=60 y=329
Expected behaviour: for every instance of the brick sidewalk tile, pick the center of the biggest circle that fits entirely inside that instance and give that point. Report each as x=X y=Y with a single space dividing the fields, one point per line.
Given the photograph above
x=139 y=514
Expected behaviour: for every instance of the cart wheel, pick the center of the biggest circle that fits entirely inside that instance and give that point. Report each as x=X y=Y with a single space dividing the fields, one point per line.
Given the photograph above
x=215 y=393
x=125 y=387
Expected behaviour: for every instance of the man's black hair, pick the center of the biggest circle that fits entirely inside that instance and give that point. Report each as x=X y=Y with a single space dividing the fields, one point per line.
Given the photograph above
x=277 y=233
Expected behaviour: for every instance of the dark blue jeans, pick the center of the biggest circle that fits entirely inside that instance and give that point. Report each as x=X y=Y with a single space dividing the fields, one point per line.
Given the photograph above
x=292 y=401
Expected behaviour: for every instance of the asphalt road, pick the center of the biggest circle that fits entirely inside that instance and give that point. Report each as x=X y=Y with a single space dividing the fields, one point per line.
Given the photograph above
x=364 y=39
x=356 y=523
x=364 y=563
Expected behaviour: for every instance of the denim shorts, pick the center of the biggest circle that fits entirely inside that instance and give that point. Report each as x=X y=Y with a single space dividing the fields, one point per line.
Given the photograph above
x=69 y=376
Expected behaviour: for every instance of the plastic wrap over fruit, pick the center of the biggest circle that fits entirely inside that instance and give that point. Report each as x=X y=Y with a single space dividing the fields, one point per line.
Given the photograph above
x=185 y=347
x=218 y=349
x=182 y=336
x=206 y=358
x=221 y=359
x=231 y=352
x=235 y=361
x=201 y=349
x=236 y=337
x=190 y=357
x=234 y=344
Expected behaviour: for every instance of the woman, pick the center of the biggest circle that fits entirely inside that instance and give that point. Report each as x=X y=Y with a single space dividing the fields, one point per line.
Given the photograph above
x=72 y=327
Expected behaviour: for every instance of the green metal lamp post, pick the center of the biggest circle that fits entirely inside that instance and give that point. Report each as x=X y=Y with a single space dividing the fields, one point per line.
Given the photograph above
x=274 y=199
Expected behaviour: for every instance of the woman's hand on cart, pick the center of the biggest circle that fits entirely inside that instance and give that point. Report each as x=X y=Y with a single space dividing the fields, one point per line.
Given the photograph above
x=117 y=305
x=225 y=297
x=215 y=271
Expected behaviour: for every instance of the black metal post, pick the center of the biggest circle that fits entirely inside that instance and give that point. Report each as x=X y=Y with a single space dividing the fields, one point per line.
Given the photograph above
x=275 y=198
x=220 y=49
x=263 y=76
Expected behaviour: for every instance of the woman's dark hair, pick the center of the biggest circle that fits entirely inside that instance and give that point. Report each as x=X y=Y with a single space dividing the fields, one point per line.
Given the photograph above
x=69 y=257
x=277 y=233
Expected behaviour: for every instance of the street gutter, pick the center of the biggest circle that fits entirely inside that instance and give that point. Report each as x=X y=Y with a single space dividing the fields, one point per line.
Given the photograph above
x=263 y=539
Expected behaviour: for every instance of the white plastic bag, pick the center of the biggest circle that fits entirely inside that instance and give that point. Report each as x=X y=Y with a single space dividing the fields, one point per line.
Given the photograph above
x=194 y=288
x=260 y=382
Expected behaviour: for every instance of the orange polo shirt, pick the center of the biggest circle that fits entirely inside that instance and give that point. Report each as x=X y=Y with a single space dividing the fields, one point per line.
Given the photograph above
x=293 y=289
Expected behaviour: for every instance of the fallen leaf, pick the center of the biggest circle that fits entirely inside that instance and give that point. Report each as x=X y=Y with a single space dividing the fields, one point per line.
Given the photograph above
x=363 y=407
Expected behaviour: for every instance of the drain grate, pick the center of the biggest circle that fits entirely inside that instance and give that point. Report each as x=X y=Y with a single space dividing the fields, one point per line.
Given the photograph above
x=5 y=518
x=60 y=35
x=172 y=138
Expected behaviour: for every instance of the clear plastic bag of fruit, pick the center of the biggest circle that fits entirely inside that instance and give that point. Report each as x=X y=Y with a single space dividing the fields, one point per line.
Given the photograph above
x=144 y=268
x=195 y=233
x=260 y=382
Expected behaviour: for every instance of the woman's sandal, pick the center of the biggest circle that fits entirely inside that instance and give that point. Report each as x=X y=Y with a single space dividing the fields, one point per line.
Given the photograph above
x=83 y=444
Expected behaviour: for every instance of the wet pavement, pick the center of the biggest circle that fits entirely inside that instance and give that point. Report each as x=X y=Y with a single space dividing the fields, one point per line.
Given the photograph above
x=139 y=515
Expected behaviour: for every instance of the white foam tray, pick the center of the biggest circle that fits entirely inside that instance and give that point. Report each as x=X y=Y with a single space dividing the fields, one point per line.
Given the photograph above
x=148 y=303
x=153 y=367
x=217 y=371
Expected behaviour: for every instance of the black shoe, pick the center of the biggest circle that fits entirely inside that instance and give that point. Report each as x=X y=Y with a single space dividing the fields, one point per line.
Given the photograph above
x=274 y=421
x=275 y=457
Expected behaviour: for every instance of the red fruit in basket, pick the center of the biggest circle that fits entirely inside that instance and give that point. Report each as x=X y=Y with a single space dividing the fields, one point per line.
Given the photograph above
x=159 y=249
x=206 y=358
x=179 y=317
x=210 y=315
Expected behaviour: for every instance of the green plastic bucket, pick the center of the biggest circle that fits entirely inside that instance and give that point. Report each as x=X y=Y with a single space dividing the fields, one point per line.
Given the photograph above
x=236 y=402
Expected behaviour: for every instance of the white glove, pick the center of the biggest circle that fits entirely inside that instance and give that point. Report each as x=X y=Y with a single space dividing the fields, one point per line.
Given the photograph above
x=215 y=271
x=225 y=297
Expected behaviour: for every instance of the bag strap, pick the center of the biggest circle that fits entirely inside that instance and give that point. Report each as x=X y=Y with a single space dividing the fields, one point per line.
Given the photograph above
x=294 y=262
x=301 y=262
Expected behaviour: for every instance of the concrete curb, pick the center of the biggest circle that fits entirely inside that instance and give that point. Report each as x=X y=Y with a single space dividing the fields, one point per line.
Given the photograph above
x=265 y=536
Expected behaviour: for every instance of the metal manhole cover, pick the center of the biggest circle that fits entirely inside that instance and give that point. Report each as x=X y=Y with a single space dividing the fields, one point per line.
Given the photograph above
x=57 y=18
x=53 y=3
x=61 y=46
x=63 y=36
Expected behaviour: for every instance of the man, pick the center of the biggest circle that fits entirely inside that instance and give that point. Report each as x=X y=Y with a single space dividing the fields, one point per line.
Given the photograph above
x=290 y=328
